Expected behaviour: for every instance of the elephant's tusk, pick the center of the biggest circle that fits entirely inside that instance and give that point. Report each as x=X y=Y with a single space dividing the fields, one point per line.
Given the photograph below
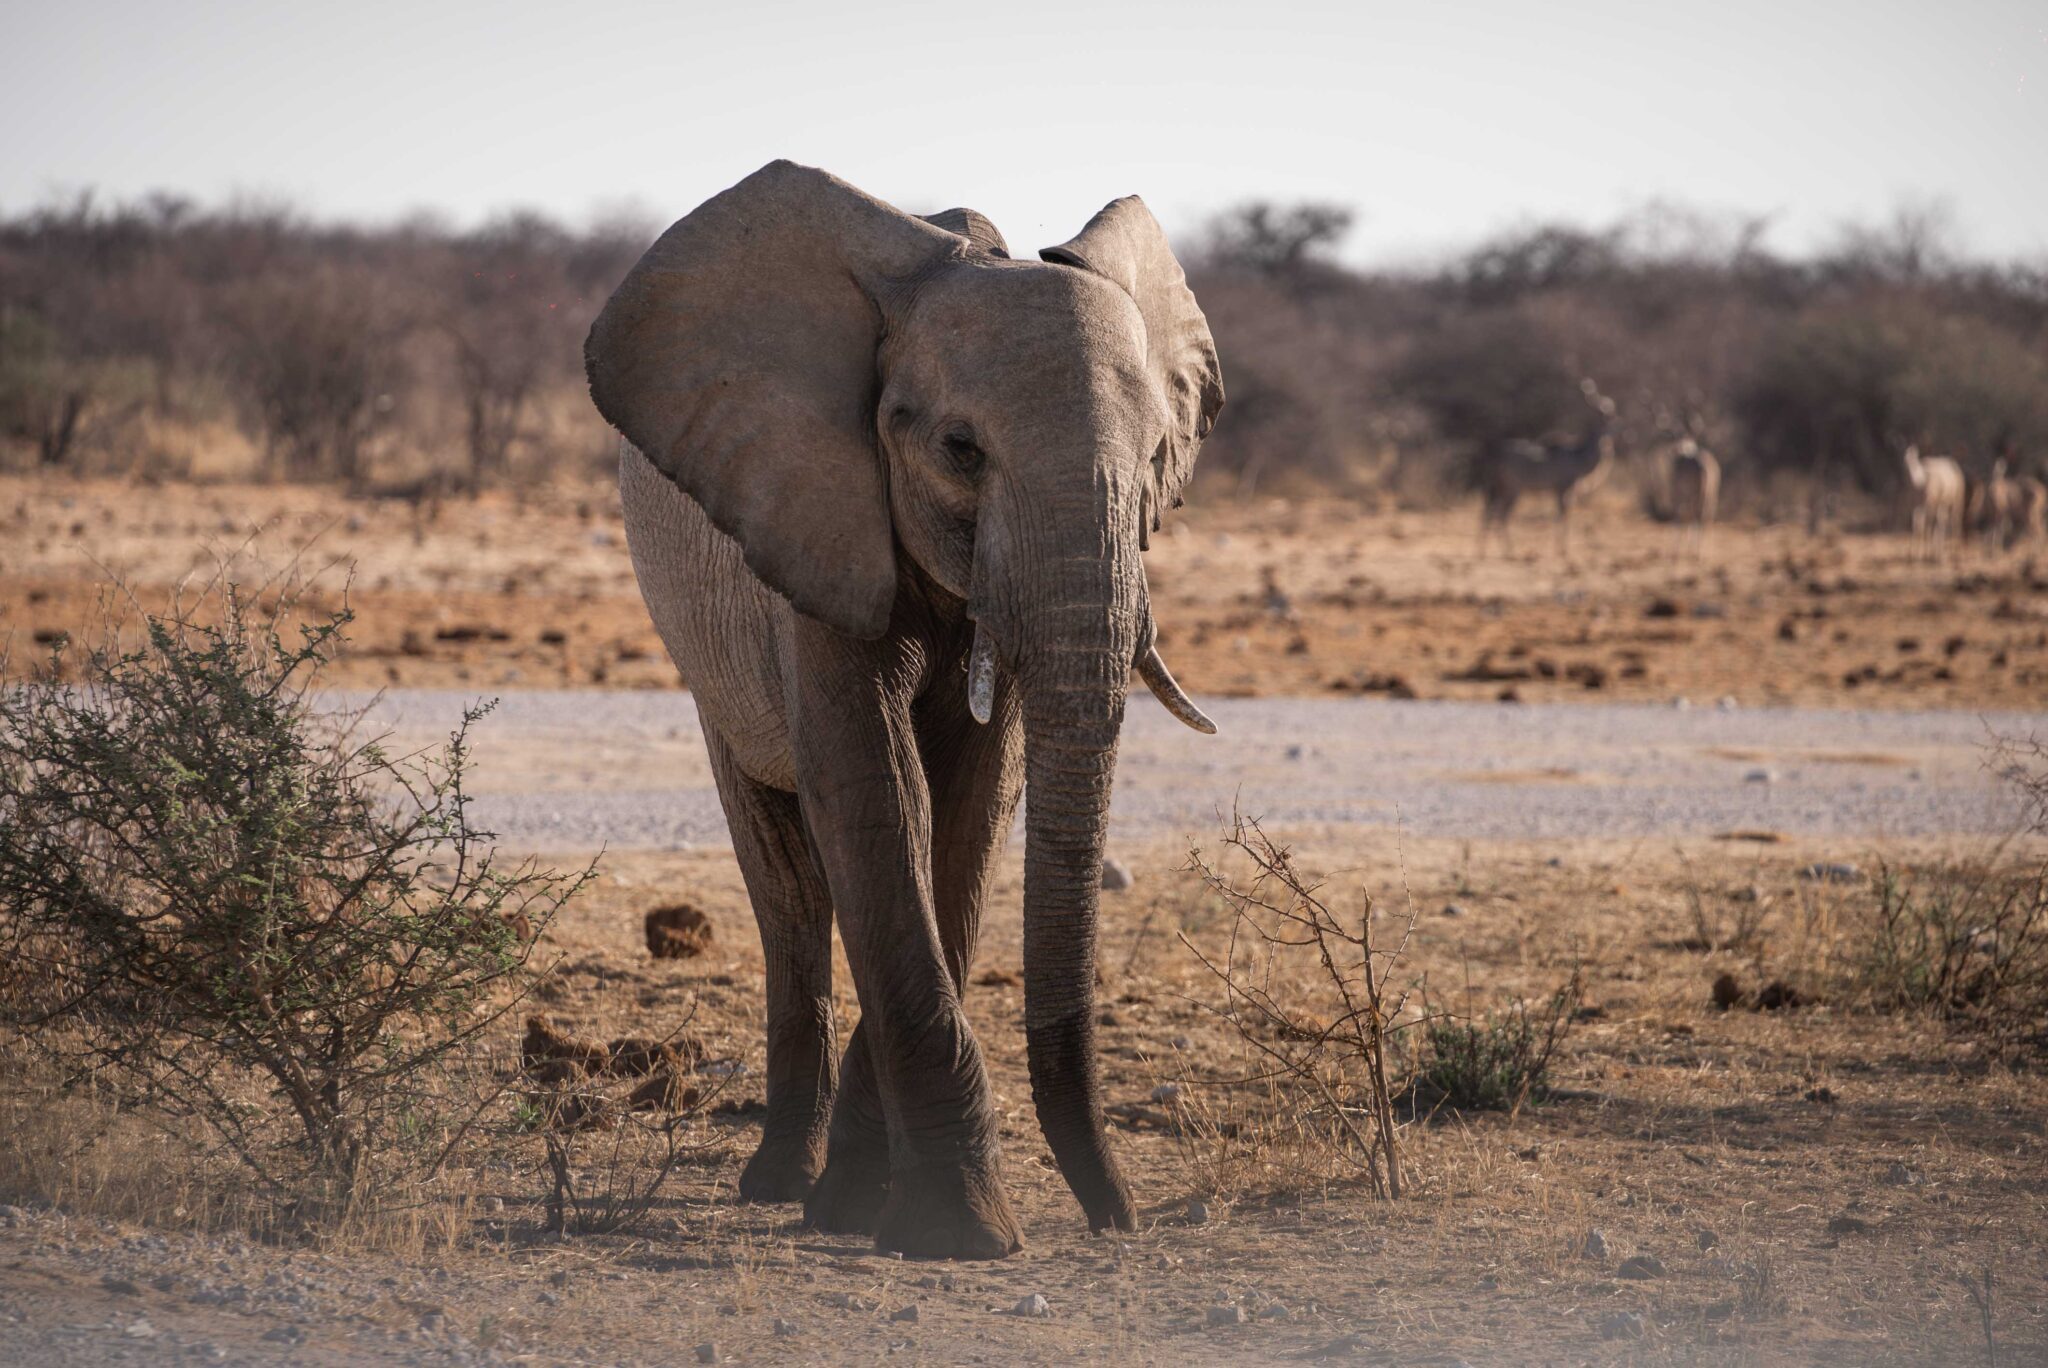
x=981 y=675
x=1160 y=680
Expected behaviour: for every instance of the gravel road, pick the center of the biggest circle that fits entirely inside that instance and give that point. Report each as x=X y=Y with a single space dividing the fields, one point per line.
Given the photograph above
x=574 y=770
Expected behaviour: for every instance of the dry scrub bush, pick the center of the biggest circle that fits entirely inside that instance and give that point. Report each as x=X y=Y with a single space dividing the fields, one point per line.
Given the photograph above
x=223 y=911
x=1966 y=941
x=1305 y=992
x=616 y=1121
x=1496 y=1062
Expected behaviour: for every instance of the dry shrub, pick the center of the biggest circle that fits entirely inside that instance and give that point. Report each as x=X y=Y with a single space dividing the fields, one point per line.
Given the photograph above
x=615 y=1122
x=225 y=912
x=1966 y=941
x=1304 y=991
x=1496 y=1062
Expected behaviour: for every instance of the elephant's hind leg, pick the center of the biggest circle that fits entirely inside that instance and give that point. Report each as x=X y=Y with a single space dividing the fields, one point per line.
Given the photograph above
x=794 y=912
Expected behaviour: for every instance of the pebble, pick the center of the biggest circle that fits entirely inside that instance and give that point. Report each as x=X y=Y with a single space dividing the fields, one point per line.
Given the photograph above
x=1116 y=876
x=1595 y=1246
x=908 y=1313
x=1640 y=1268
x=1225 y=1315
x=1622 y=1325
x=707 y=1352
x=140 y=1328
x=1033 y=1305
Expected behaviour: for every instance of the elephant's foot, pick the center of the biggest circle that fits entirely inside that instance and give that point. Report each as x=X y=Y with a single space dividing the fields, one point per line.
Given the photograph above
x=850 y=1194
x=948 y=1213
x=781 y=1170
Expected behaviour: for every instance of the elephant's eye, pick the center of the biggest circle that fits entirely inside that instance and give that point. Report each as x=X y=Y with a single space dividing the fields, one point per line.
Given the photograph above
x=964 y=453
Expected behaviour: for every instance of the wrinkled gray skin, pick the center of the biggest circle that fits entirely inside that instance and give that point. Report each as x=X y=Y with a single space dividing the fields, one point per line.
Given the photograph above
x=859 y=444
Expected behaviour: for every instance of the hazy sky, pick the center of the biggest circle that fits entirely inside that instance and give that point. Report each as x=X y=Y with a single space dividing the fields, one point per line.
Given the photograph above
x=1439 y=122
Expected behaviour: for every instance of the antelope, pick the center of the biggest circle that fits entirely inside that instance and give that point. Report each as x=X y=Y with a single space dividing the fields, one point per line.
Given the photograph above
x=1936 y=497
x=1695 y=492
x=1567 y=470
x=2030 y=522
x=1996 y=509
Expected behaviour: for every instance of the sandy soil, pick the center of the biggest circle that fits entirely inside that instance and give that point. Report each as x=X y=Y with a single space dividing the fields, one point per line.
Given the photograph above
x=1274 y=598
x=1811 y=1182
x=1814 y=1184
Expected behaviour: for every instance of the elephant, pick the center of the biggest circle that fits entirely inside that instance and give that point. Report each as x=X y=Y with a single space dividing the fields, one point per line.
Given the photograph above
x=885 y=491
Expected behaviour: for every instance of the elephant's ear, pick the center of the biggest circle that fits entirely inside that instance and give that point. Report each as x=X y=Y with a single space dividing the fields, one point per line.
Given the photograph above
x=1125 y=244
x=973 y=226
x=739 y=356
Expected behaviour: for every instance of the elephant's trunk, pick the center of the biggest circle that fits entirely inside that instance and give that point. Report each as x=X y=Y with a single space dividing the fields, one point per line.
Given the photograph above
x=1074 y=666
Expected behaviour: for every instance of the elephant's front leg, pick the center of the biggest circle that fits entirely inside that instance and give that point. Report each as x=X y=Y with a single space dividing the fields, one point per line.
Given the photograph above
x=866 y=803
x=794 y=913
x=973 y=775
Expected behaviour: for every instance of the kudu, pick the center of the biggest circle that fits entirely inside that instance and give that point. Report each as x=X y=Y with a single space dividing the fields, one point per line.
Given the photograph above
x=1935 y=494
x=1566 y=470
x=1695 y=478
x=1997 y=509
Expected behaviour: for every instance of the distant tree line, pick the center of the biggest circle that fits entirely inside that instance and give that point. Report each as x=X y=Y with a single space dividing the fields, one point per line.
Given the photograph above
x=150 y=336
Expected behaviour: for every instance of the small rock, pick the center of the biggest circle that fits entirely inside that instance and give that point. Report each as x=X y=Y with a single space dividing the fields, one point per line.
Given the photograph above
x=1225 y=1315
x=1116 y=876
x=783 y=1328
x=1898 y=1175
x=1640 y=1268
x=907 y=1313
x=1595 y=1246
x=140 y=1328
x=1622 y=1325
x=1296 y=752
x=1831 y=872
x=1760 y=776
x=707 y=1352
x=1033 y=1305
x=1198 y=1211
x=1452 y=910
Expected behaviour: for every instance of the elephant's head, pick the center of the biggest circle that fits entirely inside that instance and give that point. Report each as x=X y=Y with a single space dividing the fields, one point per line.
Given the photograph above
x=839 y=384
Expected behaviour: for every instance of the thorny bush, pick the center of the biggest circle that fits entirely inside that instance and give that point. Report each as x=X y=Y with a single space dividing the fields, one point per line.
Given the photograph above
x=222 y=906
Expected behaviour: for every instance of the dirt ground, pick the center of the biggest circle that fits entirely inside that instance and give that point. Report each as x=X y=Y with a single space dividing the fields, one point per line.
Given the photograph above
x=1272 y=598
x=1822 y=1184
x=1814 y=1184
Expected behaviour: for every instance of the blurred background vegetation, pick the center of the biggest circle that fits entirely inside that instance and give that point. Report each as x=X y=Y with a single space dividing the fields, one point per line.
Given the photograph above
x=164 y=339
